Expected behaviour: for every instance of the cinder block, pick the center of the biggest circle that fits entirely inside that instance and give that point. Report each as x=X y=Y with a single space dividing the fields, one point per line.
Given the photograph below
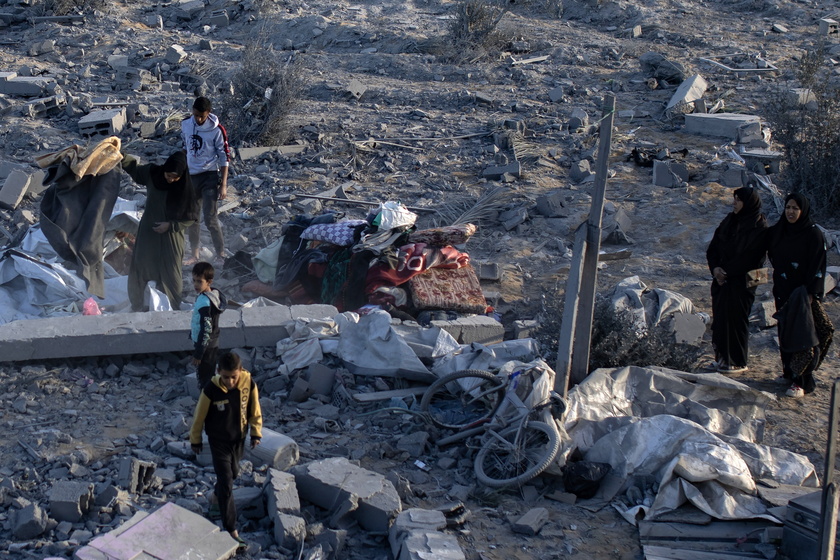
x=70 y=501
x=219 y=18
x=276 y=450
x=45 y=105
x=169 y=532
x=828 y=26
x=136 y=476
x=337 y=484
x=281 y=493
x=478 y=328
x=14 y=189
x=495 y=172
x=108 y=122
x=719 y=124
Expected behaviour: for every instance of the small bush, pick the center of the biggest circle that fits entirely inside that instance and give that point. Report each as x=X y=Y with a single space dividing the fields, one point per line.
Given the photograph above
x=810 y=134
x=263 y=94
x=473 y=34
x=616 y=342
x=67 y=7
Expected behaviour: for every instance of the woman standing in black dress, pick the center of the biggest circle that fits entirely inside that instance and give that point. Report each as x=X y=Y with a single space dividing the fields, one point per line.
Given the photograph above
x=737 y=247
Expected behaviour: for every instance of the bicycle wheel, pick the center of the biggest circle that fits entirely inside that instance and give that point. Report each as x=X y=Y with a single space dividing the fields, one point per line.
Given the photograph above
x=517 y=454
x=463 y=399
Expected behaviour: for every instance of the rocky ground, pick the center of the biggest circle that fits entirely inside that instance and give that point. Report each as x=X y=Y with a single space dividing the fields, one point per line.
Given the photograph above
x=432 y=118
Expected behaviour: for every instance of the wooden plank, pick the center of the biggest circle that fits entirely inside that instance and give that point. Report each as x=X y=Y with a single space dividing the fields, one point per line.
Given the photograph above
x=667 y=553
x=529 y=60
x=566 y=339
x=617 y=255
x=388 y=395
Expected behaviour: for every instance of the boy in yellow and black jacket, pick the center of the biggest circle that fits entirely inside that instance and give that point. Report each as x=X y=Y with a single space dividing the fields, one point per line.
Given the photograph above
x=228 y=408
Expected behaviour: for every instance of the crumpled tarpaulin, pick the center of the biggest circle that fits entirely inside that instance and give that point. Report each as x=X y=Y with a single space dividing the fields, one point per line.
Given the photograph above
x=698 y=435
x=649 y=307
x=75 y=209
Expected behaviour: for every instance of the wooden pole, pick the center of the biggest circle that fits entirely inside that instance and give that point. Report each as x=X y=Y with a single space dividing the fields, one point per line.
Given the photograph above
x=828 y=521
x=577 y=337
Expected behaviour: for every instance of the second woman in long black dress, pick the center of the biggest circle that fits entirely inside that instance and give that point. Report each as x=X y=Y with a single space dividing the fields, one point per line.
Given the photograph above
x=737 y=247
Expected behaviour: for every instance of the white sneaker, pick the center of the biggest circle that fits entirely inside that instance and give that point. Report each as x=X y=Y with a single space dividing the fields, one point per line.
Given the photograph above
x=795 y=391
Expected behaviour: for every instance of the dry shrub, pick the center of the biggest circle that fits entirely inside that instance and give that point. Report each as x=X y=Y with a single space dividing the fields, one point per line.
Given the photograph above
x=67 y=7
x=473 y=34
x=263 y=94
x=617 y=343
x=810 y=134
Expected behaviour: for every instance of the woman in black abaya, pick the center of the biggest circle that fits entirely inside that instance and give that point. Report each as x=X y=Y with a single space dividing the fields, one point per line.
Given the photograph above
x=737 y=247
x=797 y=250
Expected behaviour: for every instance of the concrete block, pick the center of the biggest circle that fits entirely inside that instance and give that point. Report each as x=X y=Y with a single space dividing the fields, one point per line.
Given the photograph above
x=556 y=94
x=688 y=328
x=734 y=177
x=14 y=189
x=136 y=476
x=356 y=89
x=29 y=522
x=190 y=10
x=108 y=495
x=152 y=332
x=551 y=205
x=131 y=75
x=669 y=173
x=219 y=18
x=281 y=494
x=478 y=328
x=252 y=153
x=488 y=270
x=70 y=501
x=276 y=450
x=513 y=217
x=580 y=170
x=414 y=444
x=337 y=484
x=175 y=54
x=155 y=21
x=108 y=122
x=691 y=90
x=117 y=61
x=41 y=47
x=421 y=545
x=320 y=379
x=44 y=106
x=169 y=533
x=495 y=172
x=828 y=26
x=725 y=125
x=414 y=519
x=289 y=530
x=524 y=328
x=25 y=86
x=249 y=502
x=532 y=522
x=801 y=96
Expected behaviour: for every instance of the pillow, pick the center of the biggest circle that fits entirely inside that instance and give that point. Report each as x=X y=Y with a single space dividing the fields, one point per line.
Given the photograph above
x=443 y=236
x=339 y=233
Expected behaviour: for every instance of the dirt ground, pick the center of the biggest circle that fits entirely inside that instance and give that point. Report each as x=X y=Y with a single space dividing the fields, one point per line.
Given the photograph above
x=422 y=133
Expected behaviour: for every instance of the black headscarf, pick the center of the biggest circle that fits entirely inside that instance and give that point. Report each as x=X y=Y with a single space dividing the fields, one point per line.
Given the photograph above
x=181 y=202
x=804 y=222
x=749 y=217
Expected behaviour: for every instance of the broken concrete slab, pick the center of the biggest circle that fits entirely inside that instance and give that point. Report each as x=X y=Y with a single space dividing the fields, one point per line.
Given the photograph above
x=169 y=533
x=153 y=332
x=720 y=124
x=580 y=171
x=289 y=530
x=420 y=545
x=14 y=189
x=478 y=328
x=251 y=153
x=276 y=450
x=552 y=205
x=175 y=54
x=249 y=502
x=29 y=522
x=337 y=484
x=669 y=173
x=24 y=86
x=532 y=522
x=70 y=500
x=497 y=171
x=688 y=328
x=281 y=493
x=414 y=519
x=691 y=90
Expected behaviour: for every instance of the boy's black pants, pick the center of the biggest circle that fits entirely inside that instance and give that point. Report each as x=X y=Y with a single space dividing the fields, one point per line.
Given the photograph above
x=226 y=457
x=207 y=366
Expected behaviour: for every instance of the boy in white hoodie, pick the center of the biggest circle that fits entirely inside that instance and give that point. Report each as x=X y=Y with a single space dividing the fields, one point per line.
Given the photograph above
x=208 y=155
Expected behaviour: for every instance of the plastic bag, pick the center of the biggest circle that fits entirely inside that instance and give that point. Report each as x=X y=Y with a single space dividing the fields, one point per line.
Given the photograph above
x=90 y=307
x=394 y=215
x=584 y=477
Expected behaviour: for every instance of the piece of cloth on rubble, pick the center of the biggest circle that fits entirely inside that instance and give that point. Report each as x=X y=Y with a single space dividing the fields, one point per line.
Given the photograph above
x=343 y=233
x=455 y=289
x=74 y=217
x=698 y=435
x=335 y=278
x=410 y=260
x=94 y=160
x=443 y=236
x=290 y=259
